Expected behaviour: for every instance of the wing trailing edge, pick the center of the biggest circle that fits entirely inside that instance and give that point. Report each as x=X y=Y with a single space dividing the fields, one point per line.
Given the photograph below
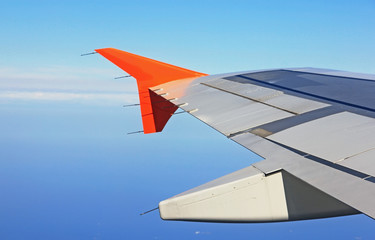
x=155 y=109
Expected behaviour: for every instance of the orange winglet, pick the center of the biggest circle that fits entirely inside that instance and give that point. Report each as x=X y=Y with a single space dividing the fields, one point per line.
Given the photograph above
x=155 y=110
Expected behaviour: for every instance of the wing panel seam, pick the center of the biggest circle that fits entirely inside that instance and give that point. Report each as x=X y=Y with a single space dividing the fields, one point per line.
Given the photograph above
x=252 y=99
x=307 y=94
x=363 y=176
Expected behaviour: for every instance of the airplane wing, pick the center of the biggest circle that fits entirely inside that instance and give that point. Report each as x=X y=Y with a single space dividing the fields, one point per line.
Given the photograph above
x=315 y=129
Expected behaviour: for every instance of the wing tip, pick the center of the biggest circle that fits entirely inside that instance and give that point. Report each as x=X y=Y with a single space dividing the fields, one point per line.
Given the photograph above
x=149 y=73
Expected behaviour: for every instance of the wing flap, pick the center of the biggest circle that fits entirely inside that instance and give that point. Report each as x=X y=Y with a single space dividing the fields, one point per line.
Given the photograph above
x=332 y=138
x=351 y=187
x=249 y=195
x=267 y=96
x=362 y=162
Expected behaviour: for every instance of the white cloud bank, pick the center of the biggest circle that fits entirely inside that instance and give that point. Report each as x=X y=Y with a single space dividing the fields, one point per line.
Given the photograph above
x=93 y=98
x=58 y=83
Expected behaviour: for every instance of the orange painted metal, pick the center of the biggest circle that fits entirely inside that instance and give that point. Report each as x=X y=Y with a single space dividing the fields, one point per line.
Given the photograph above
x=155 y=110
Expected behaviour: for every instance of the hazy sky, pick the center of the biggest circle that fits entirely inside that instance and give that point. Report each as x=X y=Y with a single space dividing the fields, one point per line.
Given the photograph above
x=67 y=168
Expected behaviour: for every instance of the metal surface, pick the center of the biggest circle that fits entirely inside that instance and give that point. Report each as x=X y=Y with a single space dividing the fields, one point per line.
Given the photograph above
x=363 y=162
x=270 y=97
x=249 y=195
x=333 y=138
x=335 y=73
x=330 y=123
x=345 y=92
x=225 y=112
x=254 y=198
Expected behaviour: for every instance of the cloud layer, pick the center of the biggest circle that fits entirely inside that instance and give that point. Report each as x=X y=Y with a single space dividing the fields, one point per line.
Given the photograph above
x=59 y=83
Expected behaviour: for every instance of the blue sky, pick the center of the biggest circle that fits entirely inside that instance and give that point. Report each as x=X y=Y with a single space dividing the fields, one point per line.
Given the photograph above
x=67 y=168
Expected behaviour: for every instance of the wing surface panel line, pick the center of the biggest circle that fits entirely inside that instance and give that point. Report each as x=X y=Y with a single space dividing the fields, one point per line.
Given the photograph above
x=252 y=99
x=308 y=94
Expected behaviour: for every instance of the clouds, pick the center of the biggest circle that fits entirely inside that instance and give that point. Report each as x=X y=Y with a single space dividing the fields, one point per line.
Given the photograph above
x=200 y=232
x=61 y=83
x=88 y=98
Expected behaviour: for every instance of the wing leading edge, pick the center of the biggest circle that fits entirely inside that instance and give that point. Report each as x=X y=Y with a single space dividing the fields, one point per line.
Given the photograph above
x=315 y=129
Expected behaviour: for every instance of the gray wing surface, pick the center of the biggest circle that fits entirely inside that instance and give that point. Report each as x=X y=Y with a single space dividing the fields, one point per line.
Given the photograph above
x=315 y=129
